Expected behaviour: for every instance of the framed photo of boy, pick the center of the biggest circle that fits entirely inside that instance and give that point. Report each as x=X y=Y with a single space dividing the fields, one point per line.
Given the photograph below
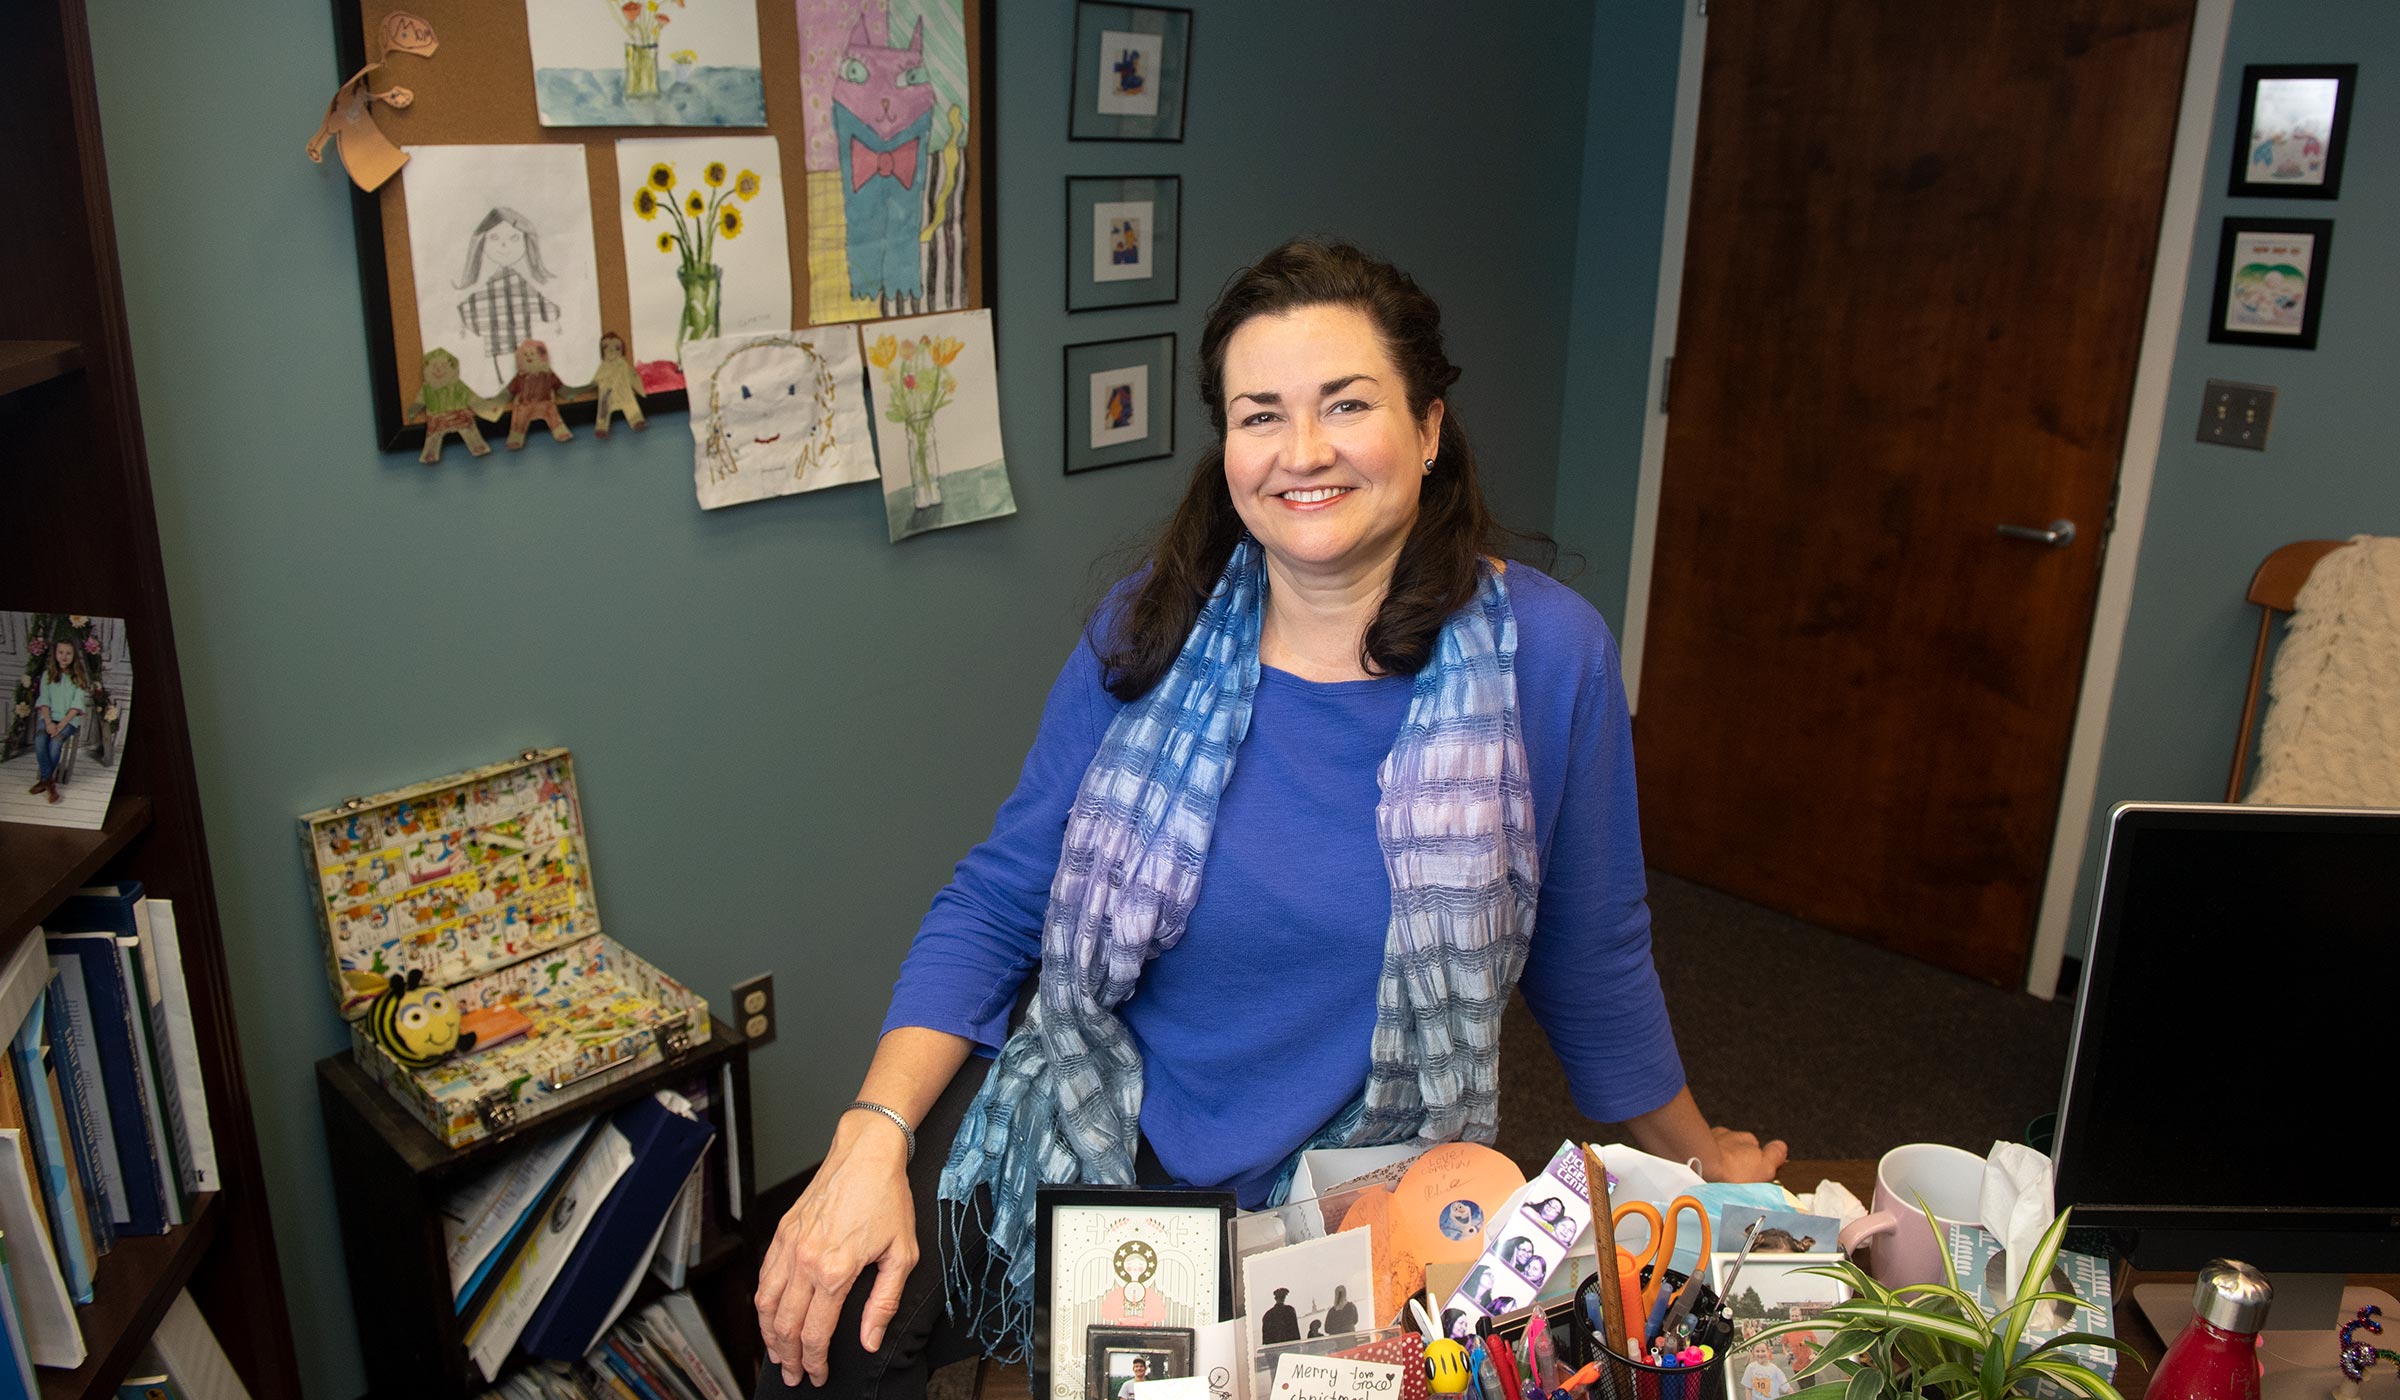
x=1124 y=240
x=2270 y=287
x=1120 y=1361
x=1132 y=69
x=2292 y=130
x=1120 y=401
x=1122 y=1257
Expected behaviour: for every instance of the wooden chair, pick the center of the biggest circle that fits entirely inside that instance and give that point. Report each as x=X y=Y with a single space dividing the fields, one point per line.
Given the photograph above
x=2277 y=583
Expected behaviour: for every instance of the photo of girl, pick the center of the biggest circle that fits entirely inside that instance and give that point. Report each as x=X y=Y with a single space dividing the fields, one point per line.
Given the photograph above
x=1550 y=1212
x=60 y=735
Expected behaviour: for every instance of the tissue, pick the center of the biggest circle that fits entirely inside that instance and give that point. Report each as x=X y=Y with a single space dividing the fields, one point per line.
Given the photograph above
x=2016 y=1202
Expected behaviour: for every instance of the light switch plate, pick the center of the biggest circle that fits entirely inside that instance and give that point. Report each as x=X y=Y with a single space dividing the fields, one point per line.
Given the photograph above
x=754 y=1008
x=2234 y=414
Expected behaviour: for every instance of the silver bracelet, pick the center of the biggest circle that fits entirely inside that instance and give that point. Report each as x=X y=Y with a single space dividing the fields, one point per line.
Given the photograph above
x=897 y=1122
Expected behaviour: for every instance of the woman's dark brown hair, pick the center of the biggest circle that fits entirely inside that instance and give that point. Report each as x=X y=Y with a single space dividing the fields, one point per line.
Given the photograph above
x=1436 y=571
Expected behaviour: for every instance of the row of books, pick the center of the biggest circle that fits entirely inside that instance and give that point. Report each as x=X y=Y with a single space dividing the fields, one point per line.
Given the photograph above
x=547 y=1247
x=103 y=1116
x=662 y=1352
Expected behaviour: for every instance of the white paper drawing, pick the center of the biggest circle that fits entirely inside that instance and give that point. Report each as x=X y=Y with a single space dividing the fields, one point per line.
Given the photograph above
x=1120 y=405
x=500 y=241
x=706 y=251
x=776 y=413
x=1129 y=73
x=936 y=397
x=1121 y=239
x=646 y=62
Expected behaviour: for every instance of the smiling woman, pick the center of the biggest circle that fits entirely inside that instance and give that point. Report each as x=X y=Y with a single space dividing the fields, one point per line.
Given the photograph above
x=1433 y=808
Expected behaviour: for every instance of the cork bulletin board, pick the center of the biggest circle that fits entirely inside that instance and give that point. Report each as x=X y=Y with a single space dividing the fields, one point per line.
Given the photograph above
x=479 y=89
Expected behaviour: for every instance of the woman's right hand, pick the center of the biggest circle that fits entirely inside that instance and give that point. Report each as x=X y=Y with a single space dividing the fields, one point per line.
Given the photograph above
x=856 y=1211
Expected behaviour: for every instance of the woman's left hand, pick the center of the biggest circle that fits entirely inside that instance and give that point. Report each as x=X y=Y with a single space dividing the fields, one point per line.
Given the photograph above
x=1740 y=1156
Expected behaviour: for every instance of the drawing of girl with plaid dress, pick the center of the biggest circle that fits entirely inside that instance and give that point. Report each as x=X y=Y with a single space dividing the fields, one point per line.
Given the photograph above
x=506 y=308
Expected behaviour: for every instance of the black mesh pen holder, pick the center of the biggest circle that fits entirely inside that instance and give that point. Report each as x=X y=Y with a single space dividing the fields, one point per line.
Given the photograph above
x=1624 y=1378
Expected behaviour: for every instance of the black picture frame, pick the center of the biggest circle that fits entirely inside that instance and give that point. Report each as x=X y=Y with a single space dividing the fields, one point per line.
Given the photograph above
x=393 y=433
x=1049 y=1199
x=1156 y=354
x=2237 y=230
x=1085 y=121
x=1084 y=193
x=1174 y=1346
x=2337 y=141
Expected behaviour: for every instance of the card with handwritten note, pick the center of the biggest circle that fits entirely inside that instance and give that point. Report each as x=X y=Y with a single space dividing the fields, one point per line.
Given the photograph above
x=1333 y=1378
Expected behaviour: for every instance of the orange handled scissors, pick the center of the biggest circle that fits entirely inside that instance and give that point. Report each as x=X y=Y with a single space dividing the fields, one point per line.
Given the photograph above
x=1655 y=1255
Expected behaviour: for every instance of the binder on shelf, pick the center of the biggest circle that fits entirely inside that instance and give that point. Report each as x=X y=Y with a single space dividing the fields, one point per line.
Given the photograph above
x=549 y=1244
x=145 y=1067
x=86 y=927
x=137 y=1198
x=53 y=1334
x=177 y=1046
x=190 y=1354
x=75 y=1078
x=16 y=1363
x=615 y=1251
x=54 y=1167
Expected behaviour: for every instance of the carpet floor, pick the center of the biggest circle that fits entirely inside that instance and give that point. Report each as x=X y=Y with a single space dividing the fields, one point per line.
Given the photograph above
x=1841 y=1049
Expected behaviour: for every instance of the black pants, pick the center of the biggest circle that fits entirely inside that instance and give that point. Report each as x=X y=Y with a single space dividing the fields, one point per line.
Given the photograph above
x=922 y=1338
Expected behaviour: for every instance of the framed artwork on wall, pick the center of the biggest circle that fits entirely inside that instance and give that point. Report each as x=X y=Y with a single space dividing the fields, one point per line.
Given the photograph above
x=1124 y=240
x=1132 y=69
x=2271 y=282
x=1120 y=401
x=1111 y=1257
x=2292 y=129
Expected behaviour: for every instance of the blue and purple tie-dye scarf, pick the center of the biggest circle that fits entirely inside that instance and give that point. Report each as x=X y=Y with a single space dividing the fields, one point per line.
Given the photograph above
x=1063 y=1103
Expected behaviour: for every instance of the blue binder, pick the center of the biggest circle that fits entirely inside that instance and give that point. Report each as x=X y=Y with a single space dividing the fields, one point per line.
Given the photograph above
x=666 y=1145
x=87 y=926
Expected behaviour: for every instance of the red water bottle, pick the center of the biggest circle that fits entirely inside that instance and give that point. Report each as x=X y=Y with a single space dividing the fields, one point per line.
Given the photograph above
x=2216 y=1358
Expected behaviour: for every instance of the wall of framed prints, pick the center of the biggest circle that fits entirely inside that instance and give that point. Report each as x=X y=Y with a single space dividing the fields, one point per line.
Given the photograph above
x=535 y=126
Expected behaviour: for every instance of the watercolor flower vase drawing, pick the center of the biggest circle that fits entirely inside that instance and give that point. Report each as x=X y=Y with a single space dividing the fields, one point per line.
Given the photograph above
x=918 y=385
x=643 y=21
x=700 y=219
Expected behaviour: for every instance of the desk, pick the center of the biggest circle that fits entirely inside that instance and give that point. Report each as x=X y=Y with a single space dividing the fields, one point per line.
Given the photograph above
x=2133 y=1329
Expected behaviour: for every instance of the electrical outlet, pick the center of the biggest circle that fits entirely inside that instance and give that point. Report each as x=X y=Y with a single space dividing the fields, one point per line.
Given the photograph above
x=2236 y=415
x=754 y=1008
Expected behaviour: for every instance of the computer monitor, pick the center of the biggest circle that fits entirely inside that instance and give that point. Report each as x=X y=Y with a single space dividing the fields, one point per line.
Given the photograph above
x=2229 y=1087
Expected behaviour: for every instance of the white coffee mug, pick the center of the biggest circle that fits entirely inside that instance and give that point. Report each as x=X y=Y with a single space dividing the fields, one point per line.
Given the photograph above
x=1907 y=1249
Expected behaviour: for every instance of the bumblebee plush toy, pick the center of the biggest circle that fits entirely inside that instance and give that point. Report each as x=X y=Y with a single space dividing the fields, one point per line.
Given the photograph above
x=416 y=1023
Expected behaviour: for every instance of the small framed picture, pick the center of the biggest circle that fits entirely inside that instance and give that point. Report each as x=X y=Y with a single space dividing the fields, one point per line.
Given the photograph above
x=1120 y=401
x=2292 y=129
x=1124 y=240
x=1122 y=1257
x=1772 y=1289
x=1132 y=68
x=1120 y=1361
x=2271 y=282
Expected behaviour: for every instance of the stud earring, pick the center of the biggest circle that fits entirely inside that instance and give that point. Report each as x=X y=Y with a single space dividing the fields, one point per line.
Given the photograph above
x=1429 y=466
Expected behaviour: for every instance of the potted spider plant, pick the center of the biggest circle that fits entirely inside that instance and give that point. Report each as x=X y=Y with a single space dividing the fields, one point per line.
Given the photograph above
x=1933 y=1341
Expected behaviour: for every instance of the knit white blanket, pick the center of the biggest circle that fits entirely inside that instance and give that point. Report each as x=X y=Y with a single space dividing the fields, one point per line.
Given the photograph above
x=2332 y=735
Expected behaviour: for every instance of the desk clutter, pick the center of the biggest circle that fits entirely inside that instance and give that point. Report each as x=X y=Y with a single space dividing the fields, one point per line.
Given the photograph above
x=104 y=1123
x=465 y=950
x=1403 y=1273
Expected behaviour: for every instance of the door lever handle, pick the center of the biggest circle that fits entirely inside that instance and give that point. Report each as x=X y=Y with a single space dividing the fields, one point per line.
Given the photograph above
x=2060 y=534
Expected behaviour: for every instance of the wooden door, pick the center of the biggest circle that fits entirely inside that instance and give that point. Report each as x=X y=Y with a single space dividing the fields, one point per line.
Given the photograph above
x=1917 y=265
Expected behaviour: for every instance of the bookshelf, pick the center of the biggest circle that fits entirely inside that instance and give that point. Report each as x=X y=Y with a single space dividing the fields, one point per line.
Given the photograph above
x=391 y=1174
x=83 y=538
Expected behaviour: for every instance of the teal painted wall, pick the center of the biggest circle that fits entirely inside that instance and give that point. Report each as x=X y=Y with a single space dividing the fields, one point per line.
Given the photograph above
x=1628 y=128
x=350 y=621
x=2328 y=471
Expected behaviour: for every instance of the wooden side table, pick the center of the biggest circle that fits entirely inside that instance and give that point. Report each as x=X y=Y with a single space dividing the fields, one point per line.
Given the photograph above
x=390 y=1175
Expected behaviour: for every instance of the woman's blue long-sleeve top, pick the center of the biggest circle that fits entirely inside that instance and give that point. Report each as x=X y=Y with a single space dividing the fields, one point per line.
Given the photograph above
x=1254 y=1029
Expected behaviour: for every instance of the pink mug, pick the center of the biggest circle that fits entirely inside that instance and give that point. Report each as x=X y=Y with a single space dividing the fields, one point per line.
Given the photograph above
x=1907 y=1250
